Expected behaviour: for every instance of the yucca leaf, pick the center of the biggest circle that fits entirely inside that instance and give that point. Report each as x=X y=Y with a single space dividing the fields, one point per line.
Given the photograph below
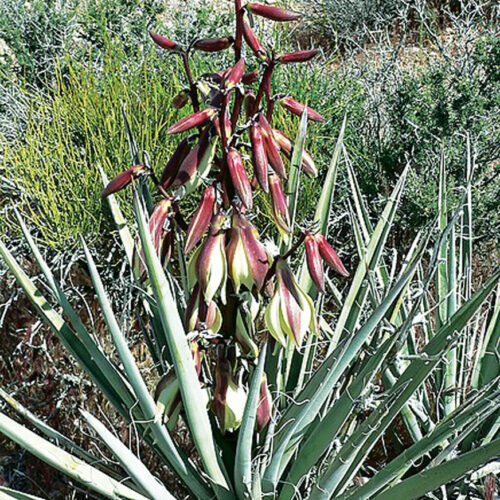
x=113 y=376
x=192 y=395
x=354 y=301
x=468 y=416
x=243 y=458
x=184 y=469
x=134 y=467
x=309 y=402
x=416 y=486
x=68 y=464
x=330 y=481
x=56 y=436
x=8 y=494
x=65 y=334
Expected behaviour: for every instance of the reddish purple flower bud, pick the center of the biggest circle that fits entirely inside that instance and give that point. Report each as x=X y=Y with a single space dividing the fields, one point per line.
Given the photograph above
x=163 y=42
x=157 y=224
x=253 y=41
x=192 y=161
x=271 y=148
x=214 y=44
x=279 y=206
x=330 y=256
x=297 y=109
x=201 y=219
x=259 y=156
x=195 y=120
x=181 y=99
x=272 y=13
x=122 y=180
x=314 y=262
x=239 y=177
x=167 y=246
x=265 y=407
x=227 y=126
x=297 y=57
x=249 y=78
x=235 y=74
x=249 y=104
x=172 y=167
x=286 y=146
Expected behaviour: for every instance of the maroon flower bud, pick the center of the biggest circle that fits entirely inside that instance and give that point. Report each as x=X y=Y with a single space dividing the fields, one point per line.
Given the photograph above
x=227 y=126
x=297 y=57
x=201 y=219
x=214 y=44
x=330 y=256
x=286 y=146
x=172 y=166
x=259 y=156
x=181 y=99
x=271 y=148
x=279 y=206
x=297 y=109
x=239 y=177
x=193 y=160
x=253 y=41
x=264 y=409
x=122 y=180
x=195 y=120
x=272 y=13
x=157 y=224
x=249 y=78
x=249 y=103
x=314 y=262
x=163 y=42
x=235 y=74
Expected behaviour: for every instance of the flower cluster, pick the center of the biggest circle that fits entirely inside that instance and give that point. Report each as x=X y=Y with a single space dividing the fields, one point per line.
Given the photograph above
x=239 y=292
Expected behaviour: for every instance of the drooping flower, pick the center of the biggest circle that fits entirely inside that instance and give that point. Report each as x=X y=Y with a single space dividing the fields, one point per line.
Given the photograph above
x=291 y=311
x=229 y=398
x=202 y=316
x=246 y=256
x=209 y=263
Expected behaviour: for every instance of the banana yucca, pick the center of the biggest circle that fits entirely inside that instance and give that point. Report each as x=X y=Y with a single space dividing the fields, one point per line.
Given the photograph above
x=281 y=401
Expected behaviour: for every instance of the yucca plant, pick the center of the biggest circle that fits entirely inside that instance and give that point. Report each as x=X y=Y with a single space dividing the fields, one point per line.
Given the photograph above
x=282 y=398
